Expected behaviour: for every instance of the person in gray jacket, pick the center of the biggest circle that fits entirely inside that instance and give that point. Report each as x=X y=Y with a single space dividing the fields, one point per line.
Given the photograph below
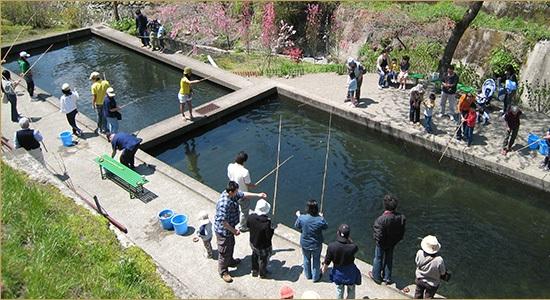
x=430 y=268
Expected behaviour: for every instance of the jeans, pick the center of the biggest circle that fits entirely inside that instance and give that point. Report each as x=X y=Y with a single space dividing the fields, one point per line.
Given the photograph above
x=312 y=263
x=13 y=103
x=381 y=78
x=510 y=138
x=414 y=113
x=340 y=291
x=71 y=119
x=452 y=102
x=101 y=122
x=127 y=157
x=112 y=125
x=424 y=290
x=226 y=245
x=382 y=264
x=144 y=36
x=469 y=133
x=358 y=90
x=30 y=84
x=428 y=123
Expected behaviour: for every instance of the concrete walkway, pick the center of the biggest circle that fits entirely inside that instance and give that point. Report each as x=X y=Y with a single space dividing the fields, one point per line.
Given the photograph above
x=194 y=275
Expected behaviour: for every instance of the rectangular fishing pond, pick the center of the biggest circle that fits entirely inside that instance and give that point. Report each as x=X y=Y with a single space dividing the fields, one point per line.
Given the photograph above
x=146 y=86
x=495 y=233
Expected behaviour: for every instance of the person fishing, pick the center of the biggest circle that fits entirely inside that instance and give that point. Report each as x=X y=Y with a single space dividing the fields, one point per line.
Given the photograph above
x=26 y=73
x=238 y=173
x=186 y=92
x=8 y=88
x=67 y=105
x=99 y=89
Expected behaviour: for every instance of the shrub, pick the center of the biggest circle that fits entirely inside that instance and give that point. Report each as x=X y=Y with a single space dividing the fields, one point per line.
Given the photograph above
x=295 y=54
x=127 y=25
x=74 y=15
x=43 y=14
x=500 y=59
x=468 y=75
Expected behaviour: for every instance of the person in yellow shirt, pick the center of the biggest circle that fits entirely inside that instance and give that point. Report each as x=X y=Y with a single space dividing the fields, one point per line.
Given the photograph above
x=99 y=89
x=185 y=93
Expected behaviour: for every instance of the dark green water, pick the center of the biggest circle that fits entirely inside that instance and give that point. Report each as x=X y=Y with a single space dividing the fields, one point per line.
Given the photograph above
x=150 y=86
x=494 y=232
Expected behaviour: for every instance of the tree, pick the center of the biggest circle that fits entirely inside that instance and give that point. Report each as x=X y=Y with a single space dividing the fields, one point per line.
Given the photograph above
x=115 y=11
x=456 y=35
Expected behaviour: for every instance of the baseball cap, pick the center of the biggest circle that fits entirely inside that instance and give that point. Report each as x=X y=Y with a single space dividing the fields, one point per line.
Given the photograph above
x=94 y=75
x=342 y=234
x=111 y=92
x=24 y=54
x=65 y=87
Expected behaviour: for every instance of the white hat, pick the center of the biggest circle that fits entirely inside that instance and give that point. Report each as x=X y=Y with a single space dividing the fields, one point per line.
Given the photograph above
x=111 y=92
x=419 y=87
x=310 y=295
x=350 y=60
x=430 y=244
x=24 y=54
x=203 y=217
x=262 y=207
x=94 y=75
x=65 y=87
x=24 y=123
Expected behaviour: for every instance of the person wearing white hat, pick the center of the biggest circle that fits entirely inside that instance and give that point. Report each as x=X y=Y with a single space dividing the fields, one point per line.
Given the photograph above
x=29 y=139
x=8 y=89
x=310 y=295
x=205 y=233
x=67 y=104
x=99 y=90
x=111 y=111
x=261 y=234
x=24 y=68
x=430 y=268
x=359 y=70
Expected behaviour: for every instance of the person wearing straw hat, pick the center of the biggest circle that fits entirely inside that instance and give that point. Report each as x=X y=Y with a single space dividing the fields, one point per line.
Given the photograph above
x=286 y=292
x=204 y=233
x=512 y=120
x=261 y=234
x=67 y=105
x=29 y=139
x=24 y=68
x=341 y=253
x=111 y=111
x=311 y=226
x=99 y=89
x=388 y=230
x=430 y=268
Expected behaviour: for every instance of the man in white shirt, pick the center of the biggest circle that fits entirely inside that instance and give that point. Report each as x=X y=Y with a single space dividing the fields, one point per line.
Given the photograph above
x=238 y=173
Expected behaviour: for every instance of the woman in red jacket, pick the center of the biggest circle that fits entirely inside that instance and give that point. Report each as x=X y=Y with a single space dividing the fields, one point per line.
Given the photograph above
x=470 y=120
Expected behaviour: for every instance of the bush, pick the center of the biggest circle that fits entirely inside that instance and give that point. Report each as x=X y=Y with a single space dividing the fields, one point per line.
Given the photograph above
x=500 y=59
x=127 y=25
x=468 y=75
x=74 y=15
x=20 y=12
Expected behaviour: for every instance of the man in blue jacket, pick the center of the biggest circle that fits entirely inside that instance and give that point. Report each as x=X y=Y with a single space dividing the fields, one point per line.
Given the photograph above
x=128 y=143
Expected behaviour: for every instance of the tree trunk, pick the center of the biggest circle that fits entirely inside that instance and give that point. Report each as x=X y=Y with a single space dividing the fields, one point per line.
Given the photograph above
x=456 y=35
x=115 y=10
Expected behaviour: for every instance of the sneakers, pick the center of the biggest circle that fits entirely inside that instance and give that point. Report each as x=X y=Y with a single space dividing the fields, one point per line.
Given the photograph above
x=380 y=87
x=227 y=278
x=372 y=277
x=254 y=273
x=440 y=115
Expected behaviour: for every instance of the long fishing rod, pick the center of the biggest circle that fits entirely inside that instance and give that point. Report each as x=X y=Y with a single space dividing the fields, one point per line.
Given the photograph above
x=449 y=142
x=277 y=169
x=24 y=74
x=274 y=169
x=17 y=37
x=326 y=161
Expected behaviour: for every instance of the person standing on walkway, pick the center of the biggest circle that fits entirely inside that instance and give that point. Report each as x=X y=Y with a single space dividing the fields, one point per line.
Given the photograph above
x=382 y=66
x=414 y=107
x=99 y=89
x=29 y=139
x=26 y=73
x=511 y=85
x=345 y=273
x=389 y=229
x=205 y=234
x=430 y=268
x=141 y=26
x=261 y=234
x=8 y=88
x=359 y=70
x=227 y=217
x=111 y=111
x=429 y=105
x=238 y=173
x=67 y=104
x=448 y=92
x=463 y=107
x=186 y=91
x=470 y=120
x=128 y=143
x=511 y=118
x=311 y=225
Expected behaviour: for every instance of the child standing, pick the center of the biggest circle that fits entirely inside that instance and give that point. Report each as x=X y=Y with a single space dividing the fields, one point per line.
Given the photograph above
x=414 y=109
x=352 y=87
x=394 y=70
x=470 y=120
x=205 y=233
x=428 y=112
x=404 y=72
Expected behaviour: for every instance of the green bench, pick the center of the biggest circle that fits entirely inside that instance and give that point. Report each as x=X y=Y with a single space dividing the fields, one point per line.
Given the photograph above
x=121 y=175
x=465 y=89
x=416 y=77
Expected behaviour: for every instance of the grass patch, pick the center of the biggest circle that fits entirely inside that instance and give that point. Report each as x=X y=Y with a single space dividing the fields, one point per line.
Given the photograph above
x=54 y=248
x=10 y=32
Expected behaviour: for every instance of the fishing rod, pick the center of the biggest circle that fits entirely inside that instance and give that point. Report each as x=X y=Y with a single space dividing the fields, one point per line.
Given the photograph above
x=24 y=74
x=326 y=161
x=449 y=142
x=271 y=172
x=277 y=169
x=17 y=37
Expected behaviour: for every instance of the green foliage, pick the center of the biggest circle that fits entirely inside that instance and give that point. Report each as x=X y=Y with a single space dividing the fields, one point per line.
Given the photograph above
x=468 y=75
x=289 y=68
x=74 y=15
x=127 y=25
x=429 y=12
x=54 y=248
x=500 y=59
x=20 y=12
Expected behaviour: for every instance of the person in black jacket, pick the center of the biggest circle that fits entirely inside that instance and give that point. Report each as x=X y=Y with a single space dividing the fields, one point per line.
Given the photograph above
x=261 y=234
x=389 y=229
x=141 y=25
x=341 y=253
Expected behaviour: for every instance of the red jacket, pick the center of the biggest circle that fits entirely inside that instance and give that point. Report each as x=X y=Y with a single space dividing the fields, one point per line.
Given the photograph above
x=471 y=118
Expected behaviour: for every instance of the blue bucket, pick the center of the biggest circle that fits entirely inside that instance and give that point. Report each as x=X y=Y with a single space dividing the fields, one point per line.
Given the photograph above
x=180 y=224
x=531 y=141
x=543 y=149
x=165 y=218
x=66 y=138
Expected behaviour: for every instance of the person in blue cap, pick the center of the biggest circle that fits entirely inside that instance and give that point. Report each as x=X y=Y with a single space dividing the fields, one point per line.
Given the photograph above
x=128 y=143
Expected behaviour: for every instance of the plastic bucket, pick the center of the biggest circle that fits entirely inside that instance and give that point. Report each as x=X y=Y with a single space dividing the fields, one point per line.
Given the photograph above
x=180 y=224
x=66 y=138
x=165 y=218
x=531 y=141
x=543 y=149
